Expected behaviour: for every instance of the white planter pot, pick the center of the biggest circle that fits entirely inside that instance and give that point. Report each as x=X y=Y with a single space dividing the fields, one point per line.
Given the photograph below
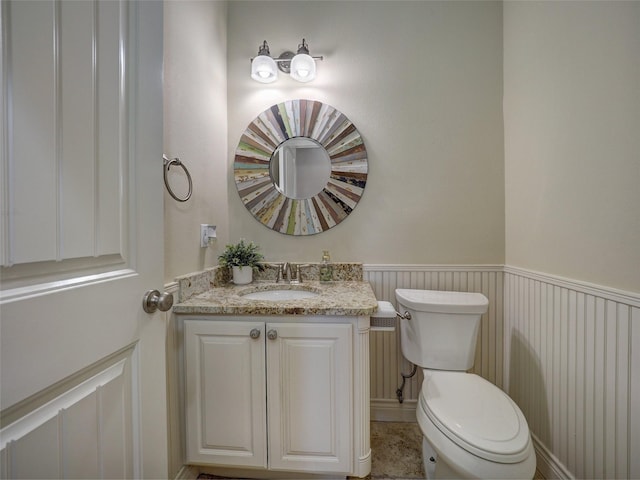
x=242 y=275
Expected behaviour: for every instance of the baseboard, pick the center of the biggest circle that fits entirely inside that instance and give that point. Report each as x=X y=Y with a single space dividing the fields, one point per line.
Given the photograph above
x=188 y=472
x=548 y=464
x=384 y=410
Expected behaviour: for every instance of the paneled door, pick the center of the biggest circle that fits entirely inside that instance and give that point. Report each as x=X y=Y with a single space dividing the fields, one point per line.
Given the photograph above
x=83 y=382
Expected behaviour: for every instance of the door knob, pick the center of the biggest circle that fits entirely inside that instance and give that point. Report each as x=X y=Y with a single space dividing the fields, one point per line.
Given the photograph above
x=254 y=333
x=154 y=300
x=272 y=334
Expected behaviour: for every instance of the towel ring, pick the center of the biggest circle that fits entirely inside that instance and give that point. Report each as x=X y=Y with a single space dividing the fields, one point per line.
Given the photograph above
x=166 y=166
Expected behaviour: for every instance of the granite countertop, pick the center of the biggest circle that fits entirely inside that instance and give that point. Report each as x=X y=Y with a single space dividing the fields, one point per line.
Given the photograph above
x=350 y=298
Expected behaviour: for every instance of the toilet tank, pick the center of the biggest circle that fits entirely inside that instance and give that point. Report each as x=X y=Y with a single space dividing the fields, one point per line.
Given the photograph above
x=443 y=329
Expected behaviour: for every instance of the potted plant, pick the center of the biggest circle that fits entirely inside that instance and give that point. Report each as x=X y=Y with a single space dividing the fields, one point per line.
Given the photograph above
x=243 y=258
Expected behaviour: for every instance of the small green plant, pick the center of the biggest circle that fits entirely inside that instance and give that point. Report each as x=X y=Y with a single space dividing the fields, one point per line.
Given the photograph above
x=241 y=255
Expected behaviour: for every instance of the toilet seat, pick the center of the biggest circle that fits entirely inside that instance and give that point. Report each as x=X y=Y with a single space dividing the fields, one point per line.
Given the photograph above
x=476 y=415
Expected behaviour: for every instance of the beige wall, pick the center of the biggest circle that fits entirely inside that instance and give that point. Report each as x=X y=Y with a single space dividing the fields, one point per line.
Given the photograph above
x=422 y=82
x=195 y=129
x=572 y=142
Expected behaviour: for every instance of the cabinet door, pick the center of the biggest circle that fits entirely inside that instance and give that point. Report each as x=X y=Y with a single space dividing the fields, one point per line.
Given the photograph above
x=225 y=393
x=309 y=399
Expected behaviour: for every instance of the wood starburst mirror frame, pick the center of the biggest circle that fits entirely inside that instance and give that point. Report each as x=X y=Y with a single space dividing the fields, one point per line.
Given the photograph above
x=330 y=130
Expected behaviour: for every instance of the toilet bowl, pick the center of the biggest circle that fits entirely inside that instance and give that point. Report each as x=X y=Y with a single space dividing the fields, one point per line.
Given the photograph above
x=471 y=428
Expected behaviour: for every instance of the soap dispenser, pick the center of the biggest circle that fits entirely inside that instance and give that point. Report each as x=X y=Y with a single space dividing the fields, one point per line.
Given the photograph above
x=326 y=269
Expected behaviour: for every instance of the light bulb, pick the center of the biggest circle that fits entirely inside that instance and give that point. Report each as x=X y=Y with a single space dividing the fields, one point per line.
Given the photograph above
x=263 y=69
x=303 y=67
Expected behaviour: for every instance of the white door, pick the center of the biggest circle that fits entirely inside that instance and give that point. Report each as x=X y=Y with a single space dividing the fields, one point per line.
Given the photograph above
x=83 y=384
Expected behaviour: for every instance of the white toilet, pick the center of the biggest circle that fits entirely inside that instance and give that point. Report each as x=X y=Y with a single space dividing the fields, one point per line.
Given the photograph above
x=471 y=428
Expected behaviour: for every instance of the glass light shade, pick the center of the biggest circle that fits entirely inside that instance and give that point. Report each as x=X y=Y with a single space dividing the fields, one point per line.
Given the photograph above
x=303 y=67
x=264 y=69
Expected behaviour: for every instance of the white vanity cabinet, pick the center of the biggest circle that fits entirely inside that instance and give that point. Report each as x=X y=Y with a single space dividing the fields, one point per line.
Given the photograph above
x=287 y=394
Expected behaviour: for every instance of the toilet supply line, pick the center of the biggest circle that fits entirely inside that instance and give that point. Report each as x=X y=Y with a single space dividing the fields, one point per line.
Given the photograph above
x=400 y=389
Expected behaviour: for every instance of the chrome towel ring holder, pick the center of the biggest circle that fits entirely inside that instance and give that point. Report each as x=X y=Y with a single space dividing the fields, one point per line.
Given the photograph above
x=166 y=166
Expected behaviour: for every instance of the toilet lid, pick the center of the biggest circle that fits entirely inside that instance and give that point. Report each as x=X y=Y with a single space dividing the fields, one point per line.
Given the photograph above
x=476 y=415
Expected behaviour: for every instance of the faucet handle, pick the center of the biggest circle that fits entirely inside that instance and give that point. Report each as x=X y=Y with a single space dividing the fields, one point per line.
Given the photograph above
x=279 y=267
x=298 y=268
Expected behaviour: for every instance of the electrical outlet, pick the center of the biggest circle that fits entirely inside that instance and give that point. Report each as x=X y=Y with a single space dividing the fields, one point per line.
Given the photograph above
x=207 y=234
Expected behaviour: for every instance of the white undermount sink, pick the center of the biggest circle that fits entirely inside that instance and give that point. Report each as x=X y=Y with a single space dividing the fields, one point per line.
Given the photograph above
x=279 y=295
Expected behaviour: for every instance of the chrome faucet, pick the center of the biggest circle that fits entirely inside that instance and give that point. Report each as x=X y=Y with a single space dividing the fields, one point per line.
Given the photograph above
x=288 y=271
x=294 y=274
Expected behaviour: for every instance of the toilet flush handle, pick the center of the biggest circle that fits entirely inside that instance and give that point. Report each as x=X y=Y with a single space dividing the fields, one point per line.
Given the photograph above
x=406 y=316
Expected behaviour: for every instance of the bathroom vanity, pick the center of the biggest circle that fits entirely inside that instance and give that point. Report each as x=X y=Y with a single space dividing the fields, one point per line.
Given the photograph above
x=278 y=384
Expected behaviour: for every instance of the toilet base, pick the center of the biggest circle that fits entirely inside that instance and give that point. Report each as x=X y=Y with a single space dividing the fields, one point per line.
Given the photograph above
x=434 y=467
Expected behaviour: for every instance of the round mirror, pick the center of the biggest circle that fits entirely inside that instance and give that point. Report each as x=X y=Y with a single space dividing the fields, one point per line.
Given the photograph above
x=300 y=167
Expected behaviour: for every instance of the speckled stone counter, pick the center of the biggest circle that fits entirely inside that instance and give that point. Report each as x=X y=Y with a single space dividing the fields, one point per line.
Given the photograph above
x=209 y=292
x=350 y=298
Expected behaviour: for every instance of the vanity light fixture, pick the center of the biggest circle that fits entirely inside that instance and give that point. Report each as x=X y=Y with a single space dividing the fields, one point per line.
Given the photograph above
x=301 y=66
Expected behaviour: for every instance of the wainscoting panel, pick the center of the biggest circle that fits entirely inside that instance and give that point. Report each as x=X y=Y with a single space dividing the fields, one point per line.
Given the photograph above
x=386 y=356
x=572 y=363
x=82 y=427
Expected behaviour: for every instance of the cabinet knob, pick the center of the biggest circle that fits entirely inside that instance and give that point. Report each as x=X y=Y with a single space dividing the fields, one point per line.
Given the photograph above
x=272 y=334
x=255 y=333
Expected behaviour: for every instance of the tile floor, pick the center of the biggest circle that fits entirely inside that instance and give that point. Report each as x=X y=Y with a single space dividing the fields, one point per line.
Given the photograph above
x=396 y=451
